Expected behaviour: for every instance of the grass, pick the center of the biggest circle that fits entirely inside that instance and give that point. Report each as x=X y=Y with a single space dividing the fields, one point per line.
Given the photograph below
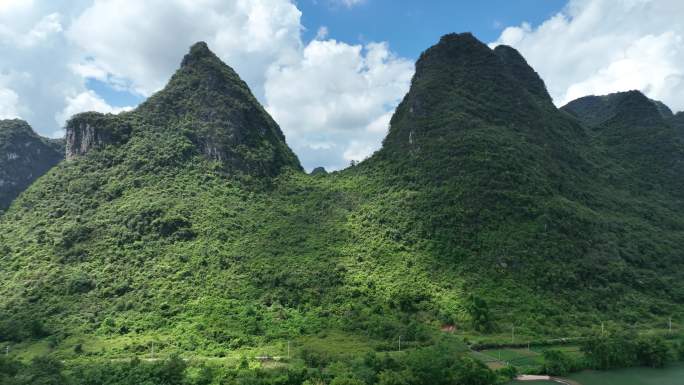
x=336 y=344
x=521 y=358
x=516 y=357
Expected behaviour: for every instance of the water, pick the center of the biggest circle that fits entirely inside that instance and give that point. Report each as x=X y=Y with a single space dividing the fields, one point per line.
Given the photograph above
x=534 y=383
x=672 y=375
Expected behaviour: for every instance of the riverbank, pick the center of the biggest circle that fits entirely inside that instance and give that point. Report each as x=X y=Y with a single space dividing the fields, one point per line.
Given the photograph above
x=670 y=375
x=541 y=379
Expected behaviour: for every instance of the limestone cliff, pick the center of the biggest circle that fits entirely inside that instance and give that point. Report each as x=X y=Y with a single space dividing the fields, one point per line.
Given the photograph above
x=24 y=157
x=91 y=130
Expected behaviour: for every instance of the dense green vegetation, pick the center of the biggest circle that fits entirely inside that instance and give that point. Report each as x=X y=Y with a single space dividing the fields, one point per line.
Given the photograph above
x=488 y=213
x=435 y=365
x=625 y=350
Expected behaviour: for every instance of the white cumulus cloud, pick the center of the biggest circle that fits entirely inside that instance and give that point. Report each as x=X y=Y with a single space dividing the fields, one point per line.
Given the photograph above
x=9 y=104
x=86 y=101
x=35 y=73
x=338 y=94
x=603 y=46
x=332 y=99
x=142 y=42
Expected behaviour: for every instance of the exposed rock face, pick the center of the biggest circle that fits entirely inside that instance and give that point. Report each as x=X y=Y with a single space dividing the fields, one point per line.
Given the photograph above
x=24 y=157
x=91 y=130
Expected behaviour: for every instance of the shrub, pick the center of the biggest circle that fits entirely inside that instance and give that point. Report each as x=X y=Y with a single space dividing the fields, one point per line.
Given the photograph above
x=653 y=352
x=314 y=359
x=389 y=377
x=508 y=372
x=480 y=315
x=557 y=363
x=346 y=381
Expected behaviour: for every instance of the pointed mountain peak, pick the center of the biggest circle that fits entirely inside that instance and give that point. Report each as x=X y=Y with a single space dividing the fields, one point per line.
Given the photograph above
x=464 y=60
x=207 y=100
x=198 y=52
x=463 y=82
x=208 y=103
x=454 y=48
x=200 y=49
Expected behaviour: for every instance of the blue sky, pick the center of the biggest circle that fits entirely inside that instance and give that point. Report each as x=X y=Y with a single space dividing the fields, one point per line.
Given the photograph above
x=408 y=26
x=332 y=94
x=411 y=26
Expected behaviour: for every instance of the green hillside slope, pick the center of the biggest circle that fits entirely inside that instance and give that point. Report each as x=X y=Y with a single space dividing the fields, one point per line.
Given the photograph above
x=189 y=222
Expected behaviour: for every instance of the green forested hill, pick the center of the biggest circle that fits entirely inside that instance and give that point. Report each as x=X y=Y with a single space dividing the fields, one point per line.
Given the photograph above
x=189 y=222
x=24 y=157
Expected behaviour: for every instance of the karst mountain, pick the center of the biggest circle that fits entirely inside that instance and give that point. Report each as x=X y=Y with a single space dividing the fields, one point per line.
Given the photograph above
x=190 y=222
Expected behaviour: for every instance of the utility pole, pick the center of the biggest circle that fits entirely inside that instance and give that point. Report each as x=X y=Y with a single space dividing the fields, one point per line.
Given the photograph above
x=399 y=343
x=288 y=350
x=153 y=350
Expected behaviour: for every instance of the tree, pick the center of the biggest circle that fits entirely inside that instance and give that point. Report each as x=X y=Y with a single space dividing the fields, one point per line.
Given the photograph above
x=45 y=370
x=346 y=381
x=473 y=372
x=389 y=377
x=480 y=315
x=172 y=371
x=557 y=363
x=653 y=352
x=610 y=351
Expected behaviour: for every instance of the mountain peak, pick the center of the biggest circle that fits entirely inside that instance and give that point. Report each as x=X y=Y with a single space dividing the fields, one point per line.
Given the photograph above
x=15 y=126
x=201 y=48
x=632 y=106
x=461 y=82
x=24 y=156
x=459 y=38
x=455 y=48
x=208 y=101
x=198 y=51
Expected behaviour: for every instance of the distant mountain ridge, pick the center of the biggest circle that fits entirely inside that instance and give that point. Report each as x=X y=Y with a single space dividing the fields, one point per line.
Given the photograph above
x=24 y=157
x=595 y=110
x=639 y=133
